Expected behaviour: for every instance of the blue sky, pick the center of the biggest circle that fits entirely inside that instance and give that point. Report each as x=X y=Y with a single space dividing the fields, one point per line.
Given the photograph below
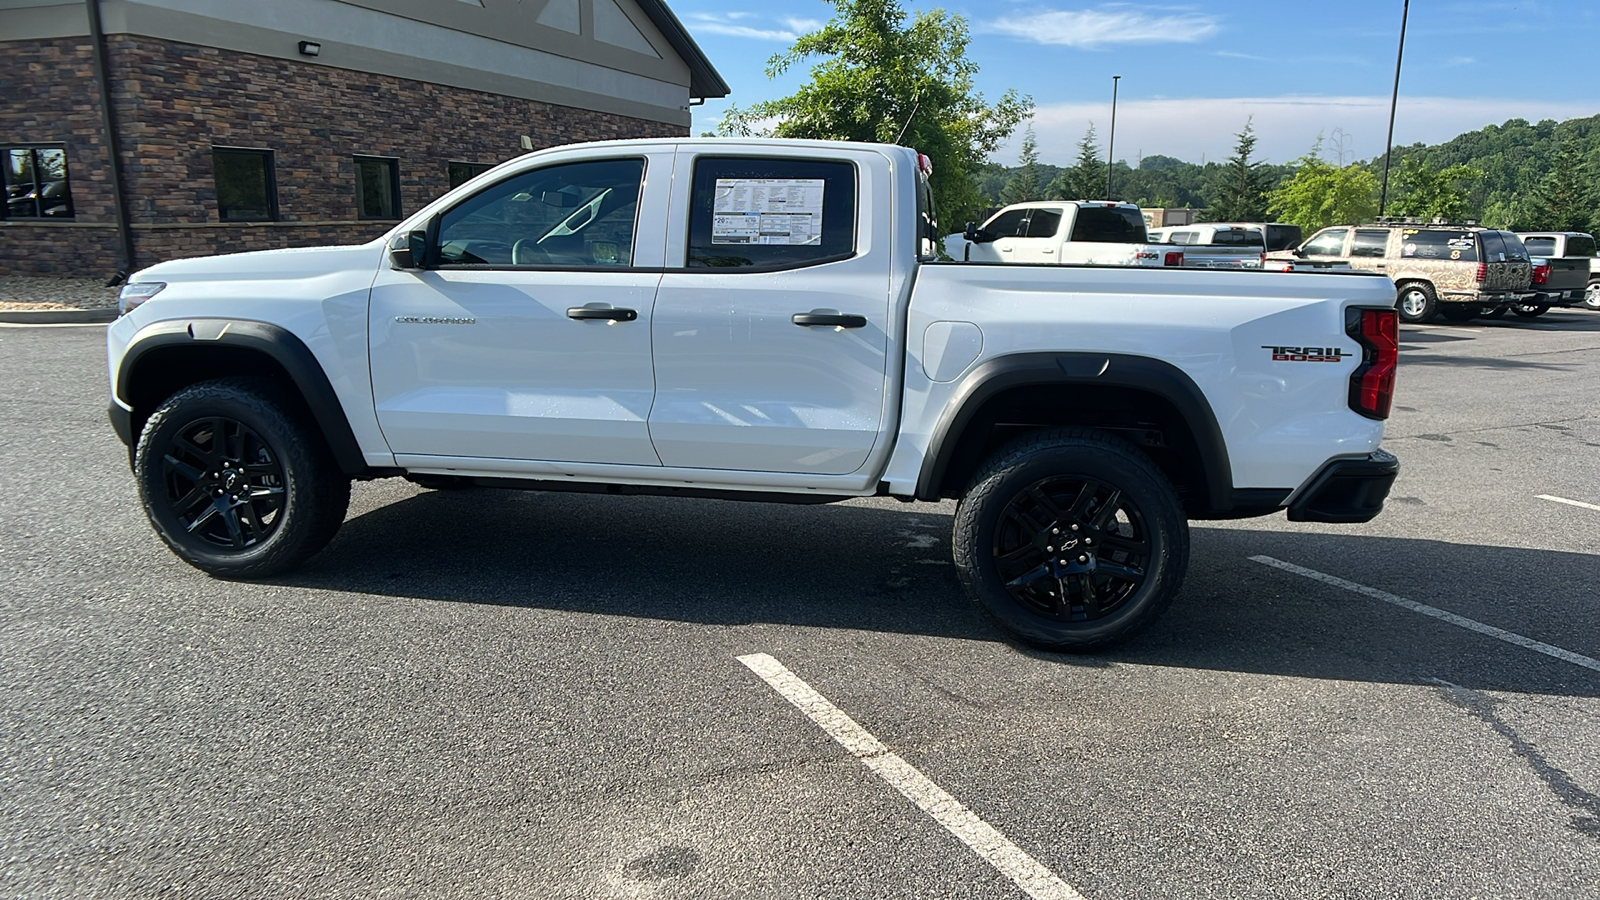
x=1193 y=72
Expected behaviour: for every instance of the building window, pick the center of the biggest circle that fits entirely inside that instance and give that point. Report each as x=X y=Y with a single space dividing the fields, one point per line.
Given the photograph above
x=247 y=189
x=463 y=172
x=35 y=180
x=377 y=187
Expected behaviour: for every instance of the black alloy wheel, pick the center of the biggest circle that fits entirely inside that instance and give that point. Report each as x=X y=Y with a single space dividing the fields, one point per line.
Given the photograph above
x=223 y=483
x=1071 y=540
x=236 y=481
x=1071 y=548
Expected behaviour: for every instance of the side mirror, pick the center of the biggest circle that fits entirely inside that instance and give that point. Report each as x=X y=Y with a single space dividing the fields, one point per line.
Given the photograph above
x=416 y=249
x=976 y=235
x=1300 y=252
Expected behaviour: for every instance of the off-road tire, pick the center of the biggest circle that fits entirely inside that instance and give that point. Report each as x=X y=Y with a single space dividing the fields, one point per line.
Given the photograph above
x=293 y=497
x=999 y=511
x=1419 y=298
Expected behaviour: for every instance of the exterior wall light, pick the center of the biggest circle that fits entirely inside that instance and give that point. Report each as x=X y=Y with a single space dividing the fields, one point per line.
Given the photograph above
x=310 y=48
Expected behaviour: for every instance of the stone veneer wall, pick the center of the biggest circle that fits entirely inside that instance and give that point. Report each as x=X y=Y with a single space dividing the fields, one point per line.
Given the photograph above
x=174 y=102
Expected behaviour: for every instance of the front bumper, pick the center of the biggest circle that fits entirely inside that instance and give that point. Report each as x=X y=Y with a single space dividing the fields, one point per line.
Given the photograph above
x=1346 y=490
x=122 y=423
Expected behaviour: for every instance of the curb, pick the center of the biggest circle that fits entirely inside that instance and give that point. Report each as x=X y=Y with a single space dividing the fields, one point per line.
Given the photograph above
x=58 y=316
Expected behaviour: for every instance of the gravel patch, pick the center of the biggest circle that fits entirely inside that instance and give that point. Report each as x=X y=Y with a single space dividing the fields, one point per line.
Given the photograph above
x=44 y=292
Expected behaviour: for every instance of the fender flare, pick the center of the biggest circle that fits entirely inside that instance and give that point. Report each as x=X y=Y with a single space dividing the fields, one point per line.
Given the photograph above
x=1098 y=369
x=276 y=343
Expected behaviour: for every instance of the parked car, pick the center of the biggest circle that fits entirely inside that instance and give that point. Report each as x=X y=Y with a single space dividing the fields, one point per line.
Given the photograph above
x=1573 y=268
x=769 y=324
x=1454 y=271
x=1232 y=245
x=1063 y=232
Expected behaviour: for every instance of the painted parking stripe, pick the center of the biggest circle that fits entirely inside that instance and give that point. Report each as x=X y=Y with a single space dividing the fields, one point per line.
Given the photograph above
x=1499 y=634
x=1029 y=874
x=1568 y=502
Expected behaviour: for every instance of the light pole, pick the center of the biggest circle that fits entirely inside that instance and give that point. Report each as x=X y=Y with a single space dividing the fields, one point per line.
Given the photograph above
x=1111 y=142
x=1388 y=145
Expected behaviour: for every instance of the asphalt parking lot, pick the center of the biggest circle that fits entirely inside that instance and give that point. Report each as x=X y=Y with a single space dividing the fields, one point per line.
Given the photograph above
x=496 y=694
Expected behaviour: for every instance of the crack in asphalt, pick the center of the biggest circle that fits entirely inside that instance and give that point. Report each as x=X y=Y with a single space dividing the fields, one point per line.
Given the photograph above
x=1555 y=778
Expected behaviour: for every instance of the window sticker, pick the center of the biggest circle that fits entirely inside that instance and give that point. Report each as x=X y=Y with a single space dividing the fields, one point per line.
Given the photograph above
x=1409 y=249
x=785 y=211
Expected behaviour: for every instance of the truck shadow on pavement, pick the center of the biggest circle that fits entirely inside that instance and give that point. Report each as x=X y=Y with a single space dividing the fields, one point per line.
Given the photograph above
x=887 y=570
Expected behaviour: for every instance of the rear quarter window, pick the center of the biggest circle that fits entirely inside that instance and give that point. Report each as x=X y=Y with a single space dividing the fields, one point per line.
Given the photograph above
x=1461 y=246
x=1580 y=245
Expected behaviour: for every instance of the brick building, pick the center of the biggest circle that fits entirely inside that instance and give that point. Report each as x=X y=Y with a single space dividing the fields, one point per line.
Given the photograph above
x=250 y=124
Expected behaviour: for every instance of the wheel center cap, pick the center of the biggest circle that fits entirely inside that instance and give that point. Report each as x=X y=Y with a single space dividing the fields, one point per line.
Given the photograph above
x=231 y=481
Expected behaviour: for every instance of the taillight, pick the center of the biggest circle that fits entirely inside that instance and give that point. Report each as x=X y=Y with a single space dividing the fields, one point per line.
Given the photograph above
x=1541 y=274
x=1483 y=272
x=1173 y=258
x=1372 y=383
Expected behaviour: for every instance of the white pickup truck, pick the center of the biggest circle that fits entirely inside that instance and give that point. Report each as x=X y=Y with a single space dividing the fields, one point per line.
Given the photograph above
x=1063 y=232
x=759 y=320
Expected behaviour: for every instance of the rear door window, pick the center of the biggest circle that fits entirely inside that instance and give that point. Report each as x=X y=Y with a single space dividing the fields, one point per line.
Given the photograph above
x=1327 y=243
x=1108 y=225
x=1044 y=223
x=1373 y=242
x=1441 y=244
x=771 y=213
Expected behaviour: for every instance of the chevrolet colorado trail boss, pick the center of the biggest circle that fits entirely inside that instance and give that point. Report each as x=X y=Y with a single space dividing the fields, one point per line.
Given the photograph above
x=760 y=320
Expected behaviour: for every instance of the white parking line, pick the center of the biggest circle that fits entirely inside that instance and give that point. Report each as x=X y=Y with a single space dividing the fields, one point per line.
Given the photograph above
x=1500 y=634
x=1029 y=874
x=1568 y=502
x=54 y=324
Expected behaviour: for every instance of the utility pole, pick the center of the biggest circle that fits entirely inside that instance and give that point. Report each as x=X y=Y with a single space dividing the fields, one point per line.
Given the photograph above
x=1388 y=145
x=1111 y=143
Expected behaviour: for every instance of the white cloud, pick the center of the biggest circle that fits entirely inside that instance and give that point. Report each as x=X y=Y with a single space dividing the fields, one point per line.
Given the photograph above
x=1285 y=127
x=1105 y=27
x=727 y=24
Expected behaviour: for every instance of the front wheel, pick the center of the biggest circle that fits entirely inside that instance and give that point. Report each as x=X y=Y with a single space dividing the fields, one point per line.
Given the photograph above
x=1416 y=302
x=1071 y=540
x=235 y=482
x=1531 y=310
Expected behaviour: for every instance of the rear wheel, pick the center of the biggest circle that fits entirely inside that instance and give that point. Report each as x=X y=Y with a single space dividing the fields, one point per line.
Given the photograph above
x=1531 y=310
x=1071 y=540
x=235 y=482
x=1591 y=296
x=1416 y=302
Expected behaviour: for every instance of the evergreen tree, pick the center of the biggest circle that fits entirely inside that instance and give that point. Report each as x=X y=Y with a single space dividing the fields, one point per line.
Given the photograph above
x=1024 y=184
x=1240 y=196
x=1086 y=179
x=1565 y=198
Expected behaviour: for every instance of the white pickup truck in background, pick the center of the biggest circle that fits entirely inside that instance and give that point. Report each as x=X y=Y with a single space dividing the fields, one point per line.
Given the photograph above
x=755 y=320
x=1064 y=232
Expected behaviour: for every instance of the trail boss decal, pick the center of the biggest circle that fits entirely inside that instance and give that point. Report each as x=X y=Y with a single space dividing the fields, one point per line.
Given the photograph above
x=1307 y=354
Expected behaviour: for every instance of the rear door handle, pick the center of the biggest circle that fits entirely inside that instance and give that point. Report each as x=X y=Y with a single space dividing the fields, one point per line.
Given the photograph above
x=602 y=312
x=829 y=317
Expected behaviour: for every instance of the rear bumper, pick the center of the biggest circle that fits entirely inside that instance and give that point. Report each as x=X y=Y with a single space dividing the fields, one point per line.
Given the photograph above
x=1569 y=297
x=1346 y=490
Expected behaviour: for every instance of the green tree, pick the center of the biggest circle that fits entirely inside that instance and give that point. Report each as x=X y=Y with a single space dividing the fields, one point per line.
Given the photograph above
x=881 y=78
x=1319 y=194
x=1024 y=183
x=1428 y=193
x=1240 y=196
x=1565 y=198
x=1086 y=179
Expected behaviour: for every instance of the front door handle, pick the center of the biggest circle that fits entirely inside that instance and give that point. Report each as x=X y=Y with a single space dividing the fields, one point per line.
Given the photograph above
x=829 y=317
x=602 y=312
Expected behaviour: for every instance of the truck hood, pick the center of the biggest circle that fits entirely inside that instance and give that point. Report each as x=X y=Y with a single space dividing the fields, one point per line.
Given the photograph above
x=265 y=265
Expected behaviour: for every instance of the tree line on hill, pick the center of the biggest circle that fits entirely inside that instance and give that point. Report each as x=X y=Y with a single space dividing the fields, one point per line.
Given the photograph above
x=1520 y=176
